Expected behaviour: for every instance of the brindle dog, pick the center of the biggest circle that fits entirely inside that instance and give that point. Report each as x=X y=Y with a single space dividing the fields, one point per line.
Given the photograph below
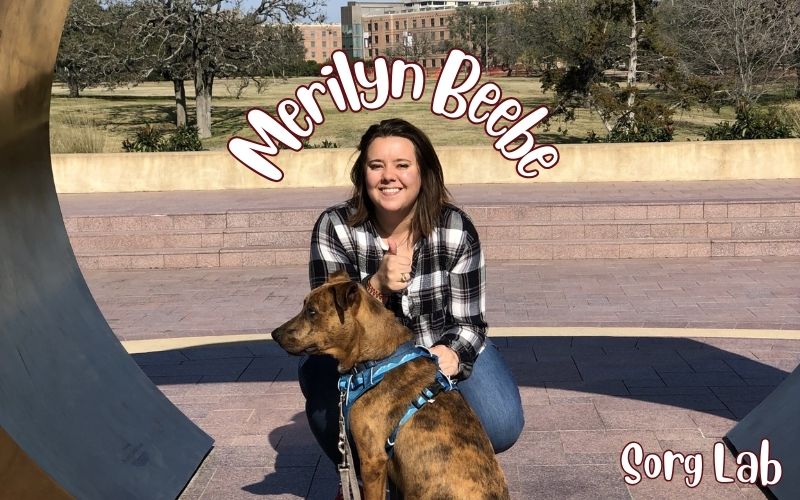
x=443 y=451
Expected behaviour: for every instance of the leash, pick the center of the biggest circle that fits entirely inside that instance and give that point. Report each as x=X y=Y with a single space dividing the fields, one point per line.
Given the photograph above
x=347 y=473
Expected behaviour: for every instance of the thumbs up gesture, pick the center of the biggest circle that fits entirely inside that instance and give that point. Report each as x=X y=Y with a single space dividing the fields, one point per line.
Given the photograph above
x=394 y=272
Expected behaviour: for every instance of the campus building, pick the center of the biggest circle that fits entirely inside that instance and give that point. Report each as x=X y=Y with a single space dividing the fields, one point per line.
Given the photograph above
x=416 y=30
x=319 y=40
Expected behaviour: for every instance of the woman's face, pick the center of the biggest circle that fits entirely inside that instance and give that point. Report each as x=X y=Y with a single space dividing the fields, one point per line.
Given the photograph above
x=392 y=175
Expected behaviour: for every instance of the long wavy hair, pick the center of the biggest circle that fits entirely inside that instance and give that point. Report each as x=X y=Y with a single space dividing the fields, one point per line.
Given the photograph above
x=433 y=194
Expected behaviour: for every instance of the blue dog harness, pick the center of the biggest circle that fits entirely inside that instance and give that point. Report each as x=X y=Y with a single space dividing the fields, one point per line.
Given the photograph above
x=367 y=375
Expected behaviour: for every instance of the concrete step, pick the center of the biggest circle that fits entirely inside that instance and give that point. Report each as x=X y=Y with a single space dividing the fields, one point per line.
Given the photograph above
x=481 y=214
x=175 y=239
x=510 y=229
x=628 y=231
x=545 y=250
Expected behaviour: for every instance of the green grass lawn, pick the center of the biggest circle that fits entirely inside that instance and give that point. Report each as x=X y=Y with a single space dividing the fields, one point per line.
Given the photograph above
x=100 y=119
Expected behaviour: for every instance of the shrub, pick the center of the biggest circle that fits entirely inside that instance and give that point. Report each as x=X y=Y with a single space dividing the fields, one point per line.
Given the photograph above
x=146 y=140
x=149 y=139
x=325 y=144
x=651 y=122
x=184 y=138
x=767 y=123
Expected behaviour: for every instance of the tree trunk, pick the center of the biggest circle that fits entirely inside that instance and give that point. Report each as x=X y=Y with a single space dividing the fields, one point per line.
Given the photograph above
x=634 y=58
x=797 y=83
x=203 y=80
x=180 y=102
x=74 y=88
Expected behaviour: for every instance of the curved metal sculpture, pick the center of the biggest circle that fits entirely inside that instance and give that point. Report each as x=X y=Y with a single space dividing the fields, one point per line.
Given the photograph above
x=77 y=416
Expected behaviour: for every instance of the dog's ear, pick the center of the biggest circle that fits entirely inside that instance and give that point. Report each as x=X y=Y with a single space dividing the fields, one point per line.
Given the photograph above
x=346 y=294
x=338 y=276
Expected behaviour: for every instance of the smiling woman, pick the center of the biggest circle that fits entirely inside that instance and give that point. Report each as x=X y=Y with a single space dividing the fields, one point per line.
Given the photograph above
x=413 y=250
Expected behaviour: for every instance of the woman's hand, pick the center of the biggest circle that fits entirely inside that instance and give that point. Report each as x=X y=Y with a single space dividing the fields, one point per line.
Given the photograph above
x=394 y=272
x=448 y=359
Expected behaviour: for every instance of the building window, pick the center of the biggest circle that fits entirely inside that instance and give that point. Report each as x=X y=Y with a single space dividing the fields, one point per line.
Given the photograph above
x=441 y=35
x=441 y=21
x=324 y=55
x=433 y=63
x=324 y=33
x=324 y=43
x=313 y=43
x=423 y=23
x=386 y=25
x=405 y=23
x=397 y=38
x=397 y=25
x=313 y=55
x=413 y=23
x=377 y=52
x=335 y=44
x=376 y=38
x=441 y=61
x=387 y=39
x=424 y=63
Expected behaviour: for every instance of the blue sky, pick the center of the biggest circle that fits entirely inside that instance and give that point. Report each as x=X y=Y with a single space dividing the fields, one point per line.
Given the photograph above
x=331 y=12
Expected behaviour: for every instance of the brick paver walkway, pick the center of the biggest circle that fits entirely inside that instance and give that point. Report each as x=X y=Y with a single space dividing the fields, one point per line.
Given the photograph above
x=585 y=398
x=699 y=293
x=187 y=202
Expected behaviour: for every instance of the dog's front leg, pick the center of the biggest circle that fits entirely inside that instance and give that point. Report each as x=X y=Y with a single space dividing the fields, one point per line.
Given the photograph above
x=374 y=474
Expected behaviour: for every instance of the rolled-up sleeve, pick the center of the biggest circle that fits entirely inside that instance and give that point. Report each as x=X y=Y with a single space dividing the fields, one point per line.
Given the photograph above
x=465 y=330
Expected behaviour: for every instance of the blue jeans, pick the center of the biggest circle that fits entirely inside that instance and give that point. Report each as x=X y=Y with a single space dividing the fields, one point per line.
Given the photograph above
x=490 y=391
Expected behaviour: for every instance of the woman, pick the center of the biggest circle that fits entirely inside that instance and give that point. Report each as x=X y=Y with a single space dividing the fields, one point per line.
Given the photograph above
x=399 y=236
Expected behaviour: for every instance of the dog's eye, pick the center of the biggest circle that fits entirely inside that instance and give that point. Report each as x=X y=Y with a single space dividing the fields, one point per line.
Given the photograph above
x=311 y=312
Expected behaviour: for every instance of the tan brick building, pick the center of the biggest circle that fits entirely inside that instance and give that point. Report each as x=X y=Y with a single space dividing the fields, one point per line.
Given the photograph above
x=417 y=31
x=320 y=40
x=419 y=36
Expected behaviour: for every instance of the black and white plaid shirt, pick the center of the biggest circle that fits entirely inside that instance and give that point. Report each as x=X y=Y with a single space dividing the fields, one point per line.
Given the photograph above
x=444 y=302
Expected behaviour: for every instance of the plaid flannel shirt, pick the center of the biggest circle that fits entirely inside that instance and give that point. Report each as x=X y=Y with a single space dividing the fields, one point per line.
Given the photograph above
x=444 y=302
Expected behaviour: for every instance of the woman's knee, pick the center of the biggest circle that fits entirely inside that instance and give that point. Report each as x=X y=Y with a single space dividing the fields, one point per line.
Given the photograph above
x=494 y=396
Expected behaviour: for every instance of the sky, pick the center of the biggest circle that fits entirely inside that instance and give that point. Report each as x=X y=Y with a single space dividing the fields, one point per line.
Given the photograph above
x=332 y=14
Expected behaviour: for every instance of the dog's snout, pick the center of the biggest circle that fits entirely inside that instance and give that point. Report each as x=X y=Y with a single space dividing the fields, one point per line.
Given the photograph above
x=278 y=334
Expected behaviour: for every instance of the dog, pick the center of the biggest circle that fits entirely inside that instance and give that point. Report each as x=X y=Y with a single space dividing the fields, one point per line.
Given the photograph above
x=442 y=452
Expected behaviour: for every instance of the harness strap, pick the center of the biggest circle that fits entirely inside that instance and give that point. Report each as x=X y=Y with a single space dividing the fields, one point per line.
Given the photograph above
x=367 y=375
x=427 y=395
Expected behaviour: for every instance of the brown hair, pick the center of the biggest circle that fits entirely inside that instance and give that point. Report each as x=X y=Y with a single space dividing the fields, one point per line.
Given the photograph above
x=433 y=194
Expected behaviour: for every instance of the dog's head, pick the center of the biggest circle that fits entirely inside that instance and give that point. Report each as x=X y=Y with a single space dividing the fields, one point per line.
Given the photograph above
x=341 y=319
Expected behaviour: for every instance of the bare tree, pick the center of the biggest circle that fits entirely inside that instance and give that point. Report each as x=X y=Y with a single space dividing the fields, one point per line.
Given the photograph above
x=474 y=29
x=90 y=52
x=205 y=39
x=745 y=45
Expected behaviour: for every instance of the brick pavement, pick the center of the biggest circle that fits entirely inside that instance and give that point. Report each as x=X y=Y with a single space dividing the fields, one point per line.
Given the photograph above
x=684 y=293
x=584 y=398
x=186 y=202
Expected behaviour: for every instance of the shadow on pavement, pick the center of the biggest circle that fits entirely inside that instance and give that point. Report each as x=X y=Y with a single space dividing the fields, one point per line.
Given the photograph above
x=684 y=373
